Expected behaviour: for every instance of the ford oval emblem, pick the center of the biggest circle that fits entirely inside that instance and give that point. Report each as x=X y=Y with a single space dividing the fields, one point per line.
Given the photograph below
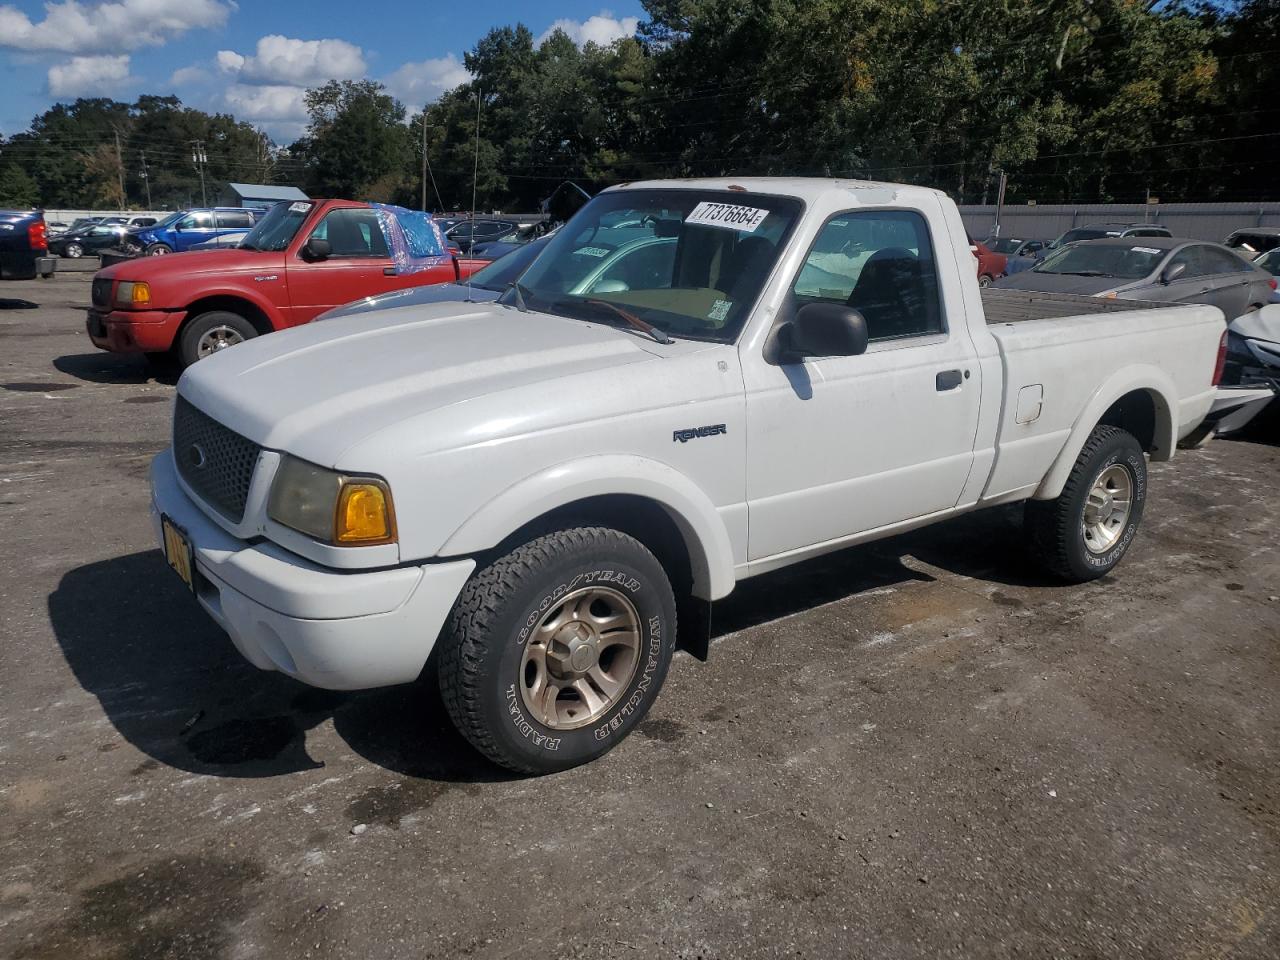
x=196 y=457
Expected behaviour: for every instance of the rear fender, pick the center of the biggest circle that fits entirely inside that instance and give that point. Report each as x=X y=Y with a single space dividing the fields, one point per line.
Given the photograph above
x=705 y=537
x=1156 y=383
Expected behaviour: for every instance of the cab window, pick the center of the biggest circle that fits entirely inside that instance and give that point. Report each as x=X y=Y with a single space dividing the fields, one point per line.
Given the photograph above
x=352 y=232
x=203 y=220
x=882 y=264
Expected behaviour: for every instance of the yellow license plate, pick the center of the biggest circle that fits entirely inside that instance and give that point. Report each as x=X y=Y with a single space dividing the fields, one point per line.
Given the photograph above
x=177 y=551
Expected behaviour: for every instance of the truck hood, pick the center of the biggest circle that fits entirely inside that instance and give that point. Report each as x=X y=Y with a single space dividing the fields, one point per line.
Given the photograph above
x=315 y=391
x=180 y=267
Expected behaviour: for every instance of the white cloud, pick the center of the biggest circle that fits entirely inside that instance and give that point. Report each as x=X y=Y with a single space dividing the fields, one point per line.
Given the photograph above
x=188 y=76
x=278 y=108
x=89 y=75
x=424 y=81
x=601 y=29
x=284 y=60
x=74 y=27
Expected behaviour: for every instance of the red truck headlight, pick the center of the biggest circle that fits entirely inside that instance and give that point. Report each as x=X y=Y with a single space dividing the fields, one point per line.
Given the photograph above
x=134 y=294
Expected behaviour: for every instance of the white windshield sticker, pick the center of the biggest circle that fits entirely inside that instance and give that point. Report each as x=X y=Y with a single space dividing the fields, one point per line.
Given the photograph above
x=591 y=252
x=719 y=310
x=299 y=207
x=728 y=215
x=1145 y=249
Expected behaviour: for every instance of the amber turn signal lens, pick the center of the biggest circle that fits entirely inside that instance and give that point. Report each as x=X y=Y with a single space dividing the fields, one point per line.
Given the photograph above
x=141 y=294
x=364 y=514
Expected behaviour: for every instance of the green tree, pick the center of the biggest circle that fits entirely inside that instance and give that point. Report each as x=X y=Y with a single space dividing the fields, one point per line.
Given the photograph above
x=357 y=143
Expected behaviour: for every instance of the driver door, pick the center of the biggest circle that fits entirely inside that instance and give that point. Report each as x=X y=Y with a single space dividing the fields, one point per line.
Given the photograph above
x=842 y=445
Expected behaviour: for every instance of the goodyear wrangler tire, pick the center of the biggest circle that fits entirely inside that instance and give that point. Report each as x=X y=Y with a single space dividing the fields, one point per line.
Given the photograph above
x=1082 y=534
x=554 y=652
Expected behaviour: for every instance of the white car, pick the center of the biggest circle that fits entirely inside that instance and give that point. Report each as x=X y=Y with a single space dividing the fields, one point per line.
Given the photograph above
x=533 y=487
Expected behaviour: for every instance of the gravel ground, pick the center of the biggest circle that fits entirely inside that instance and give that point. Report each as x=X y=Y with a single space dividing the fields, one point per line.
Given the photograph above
x=915 y=749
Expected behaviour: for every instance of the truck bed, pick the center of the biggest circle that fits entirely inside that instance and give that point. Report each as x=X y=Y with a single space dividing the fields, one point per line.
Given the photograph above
x=1015 y=306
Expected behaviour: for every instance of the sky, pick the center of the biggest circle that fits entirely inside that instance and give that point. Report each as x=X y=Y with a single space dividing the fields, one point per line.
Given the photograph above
x=254 y=58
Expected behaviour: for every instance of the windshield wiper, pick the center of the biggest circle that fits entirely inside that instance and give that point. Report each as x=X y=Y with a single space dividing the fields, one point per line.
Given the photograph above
x=642 y=325
x=1080 y=273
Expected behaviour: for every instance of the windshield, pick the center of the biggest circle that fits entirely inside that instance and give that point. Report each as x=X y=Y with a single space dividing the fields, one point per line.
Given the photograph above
x=278 y=227
x=689 y=262
x=1071 y=236
x=169 y=220
x=1270 y=262
x=1253 y=242
x=499 y=274
x=1103 y=260
x=1003 y=246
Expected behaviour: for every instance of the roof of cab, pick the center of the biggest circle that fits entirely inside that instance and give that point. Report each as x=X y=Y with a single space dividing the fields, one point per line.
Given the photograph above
x=805 y=188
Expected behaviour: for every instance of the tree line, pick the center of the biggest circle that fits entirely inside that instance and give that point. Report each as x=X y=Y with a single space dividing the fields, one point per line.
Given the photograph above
x=1084 y=100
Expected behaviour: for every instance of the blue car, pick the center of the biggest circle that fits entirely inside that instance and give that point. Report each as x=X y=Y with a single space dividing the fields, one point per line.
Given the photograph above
x=183 y=230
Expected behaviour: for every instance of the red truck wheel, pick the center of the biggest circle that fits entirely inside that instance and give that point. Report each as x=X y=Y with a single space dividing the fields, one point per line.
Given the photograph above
x=211 y=332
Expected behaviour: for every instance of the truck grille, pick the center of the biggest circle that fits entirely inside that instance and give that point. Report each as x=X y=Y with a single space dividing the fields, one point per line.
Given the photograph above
x=101 y=293
x=217 y=463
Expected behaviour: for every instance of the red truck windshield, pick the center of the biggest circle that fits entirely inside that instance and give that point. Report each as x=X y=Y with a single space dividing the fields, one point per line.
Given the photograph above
x=278 y=227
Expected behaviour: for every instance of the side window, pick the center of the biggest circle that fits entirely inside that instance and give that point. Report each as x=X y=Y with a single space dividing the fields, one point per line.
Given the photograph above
x=1191 y=257
x=234 y=220
x=202 y=220
x=882 y=264
x=352 y=232
x=1219 y=261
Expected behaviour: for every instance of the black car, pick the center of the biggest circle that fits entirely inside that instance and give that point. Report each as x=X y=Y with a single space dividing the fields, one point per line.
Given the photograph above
x=467 y=233
x=22 y=242
x=88 y=239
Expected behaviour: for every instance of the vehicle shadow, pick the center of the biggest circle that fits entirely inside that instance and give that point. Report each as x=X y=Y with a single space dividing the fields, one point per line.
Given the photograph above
x=102 y=367
x=8 y=303
x=174 y=687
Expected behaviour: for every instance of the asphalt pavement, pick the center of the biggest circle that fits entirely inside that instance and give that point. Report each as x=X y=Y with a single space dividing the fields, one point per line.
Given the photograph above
x=915 y=749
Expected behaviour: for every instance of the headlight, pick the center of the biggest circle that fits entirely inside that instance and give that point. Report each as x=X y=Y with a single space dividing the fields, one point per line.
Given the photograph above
x=133 y=294
x=331 y=506
x=1107 y=295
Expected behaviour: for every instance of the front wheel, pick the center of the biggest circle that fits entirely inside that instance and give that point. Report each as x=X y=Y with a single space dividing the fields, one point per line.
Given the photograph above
x=557 y=650
x=1082 y=534
x=212 y=332
x=159 y=250
x=984 y=280
x=74 y=251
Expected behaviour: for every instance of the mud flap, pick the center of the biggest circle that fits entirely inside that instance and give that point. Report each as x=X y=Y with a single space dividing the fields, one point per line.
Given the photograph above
x=694 y=618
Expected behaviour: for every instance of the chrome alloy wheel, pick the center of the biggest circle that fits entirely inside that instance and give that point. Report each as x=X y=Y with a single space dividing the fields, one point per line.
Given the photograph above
x=217 y=338
x=580 y=658
x=1107 y=508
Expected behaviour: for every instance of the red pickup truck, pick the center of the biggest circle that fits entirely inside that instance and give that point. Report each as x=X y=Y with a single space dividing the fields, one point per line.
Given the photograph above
x=300 y=260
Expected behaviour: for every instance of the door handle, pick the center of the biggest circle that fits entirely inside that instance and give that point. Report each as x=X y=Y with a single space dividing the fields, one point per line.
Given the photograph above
x=948 y=380
x=388 y=271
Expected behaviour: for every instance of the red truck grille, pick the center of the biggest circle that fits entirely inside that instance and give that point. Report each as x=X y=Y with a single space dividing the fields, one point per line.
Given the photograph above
x=101 y=293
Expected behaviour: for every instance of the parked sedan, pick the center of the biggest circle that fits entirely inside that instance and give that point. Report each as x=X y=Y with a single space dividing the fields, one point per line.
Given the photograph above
x=1022 y=254
x=481 y=230
x=1162 y=269
x=88 y=239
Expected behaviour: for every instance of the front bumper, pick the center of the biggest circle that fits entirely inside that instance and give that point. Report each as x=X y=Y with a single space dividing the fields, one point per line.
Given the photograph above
x=131 y=331
x=341 y=631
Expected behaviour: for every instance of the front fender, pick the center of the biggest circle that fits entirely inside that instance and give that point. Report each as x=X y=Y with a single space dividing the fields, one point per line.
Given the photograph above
x=249 y=296
x=1145 y=377
x=704 y=533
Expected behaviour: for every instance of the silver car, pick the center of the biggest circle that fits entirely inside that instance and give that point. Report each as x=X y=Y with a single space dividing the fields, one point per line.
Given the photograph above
x=1161 y=269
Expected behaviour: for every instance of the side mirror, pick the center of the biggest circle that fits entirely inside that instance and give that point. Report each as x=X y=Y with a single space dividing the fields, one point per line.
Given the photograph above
x=317 y=249
x=821 y=330
x=177 y=228
x=1172 y=272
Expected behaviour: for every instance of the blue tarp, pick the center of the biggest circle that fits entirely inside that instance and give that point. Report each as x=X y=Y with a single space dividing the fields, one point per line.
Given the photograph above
x=413 y=238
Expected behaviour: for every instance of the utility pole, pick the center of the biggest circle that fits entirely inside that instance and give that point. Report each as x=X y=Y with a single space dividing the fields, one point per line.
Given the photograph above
x=1000 y=200
x=426 y=167
x=200 y=158
x=146 y=179
x=124 y=201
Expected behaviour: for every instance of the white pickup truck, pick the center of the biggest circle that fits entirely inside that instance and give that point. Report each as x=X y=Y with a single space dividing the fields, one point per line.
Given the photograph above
x=695 y=382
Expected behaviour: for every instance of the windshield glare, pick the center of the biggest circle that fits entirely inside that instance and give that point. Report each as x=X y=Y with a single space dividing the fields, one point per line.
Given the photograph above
x=689 y=262
x=278 y=227
x=499 y=274
x=1103 y=260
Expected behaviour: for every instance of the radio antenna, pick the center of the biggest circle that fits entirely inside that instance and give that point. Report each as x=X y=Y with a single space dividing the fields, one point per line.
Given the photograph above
x=475 y=176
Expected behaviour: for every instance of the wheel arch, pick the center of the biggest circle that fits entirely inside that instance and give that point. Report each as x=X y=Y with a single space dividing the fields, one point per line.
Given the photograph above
x=1141 y=400
x=258 y=314
x=657 y=505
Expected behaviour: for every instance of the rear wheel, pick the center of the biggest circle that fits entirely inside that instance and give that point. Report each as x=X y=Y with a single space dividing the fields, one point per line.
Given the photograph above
x=159 y=250
x=212 y=332
x=556 y=651
x=984 y=280
x=1084 y=533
